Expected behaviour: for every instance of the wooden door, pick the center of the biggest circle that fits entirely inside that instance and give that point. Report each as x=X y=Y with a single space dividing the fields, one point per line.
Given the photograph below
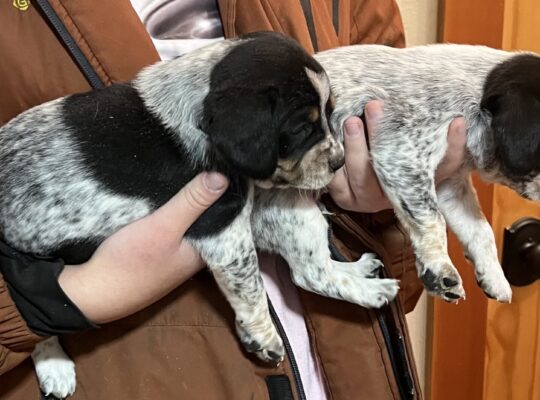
x=512 y=365
x=482 y=349
x=512 y=357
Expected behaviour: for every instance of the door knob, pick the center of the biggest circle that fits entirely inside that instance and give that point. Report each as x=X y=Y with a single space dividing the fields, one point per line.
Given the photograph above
x=521 y=252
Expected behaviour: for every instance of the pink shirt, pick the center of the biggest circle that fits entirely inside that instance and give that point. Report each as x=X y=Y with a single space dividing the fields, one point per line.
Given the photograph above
x=285 y=299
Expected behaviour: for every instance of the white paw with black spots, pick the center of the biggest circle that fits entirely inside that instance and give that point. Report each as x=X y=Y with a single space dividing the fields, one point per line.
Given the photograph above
x=358 y=283
x=56 y=377
x=494 y=284
x=373 y=292
x=266 y=344
x=369 y=264
x=443 y=280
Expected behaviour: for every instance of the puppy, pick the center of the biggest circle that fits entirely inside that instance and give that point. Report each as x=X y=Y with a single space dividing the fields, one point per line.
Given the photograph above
x=423 y=90
x=77 y=169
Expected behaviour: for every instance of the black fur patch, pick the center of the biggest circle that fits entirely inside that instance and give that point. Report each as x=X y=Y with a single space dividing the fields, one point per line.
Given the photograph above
x=132 y=153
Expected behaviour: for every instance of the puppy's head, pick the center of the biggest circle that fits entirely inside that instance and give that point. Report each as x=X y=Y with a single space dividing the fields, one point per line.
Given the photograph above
x=512 y=97
x=267 y=114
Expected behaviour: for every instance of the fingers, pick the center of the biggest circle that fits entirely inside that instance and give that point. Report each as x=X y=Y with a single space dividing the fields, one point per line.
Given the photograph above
x=455 y=153
x=355 y=186
x=374 y=113
x=356 y=161
x=179 y=213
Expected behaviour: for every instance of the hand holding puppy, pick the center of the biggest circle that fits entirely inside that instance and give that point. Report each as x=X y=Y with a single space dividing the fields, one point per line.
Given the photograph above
x=121 y=277
x=356 y=187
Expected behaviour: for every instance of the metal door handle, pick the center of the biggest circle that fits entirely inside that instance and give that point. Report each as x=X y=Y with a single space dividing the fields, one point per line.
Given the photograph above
x=521 y=252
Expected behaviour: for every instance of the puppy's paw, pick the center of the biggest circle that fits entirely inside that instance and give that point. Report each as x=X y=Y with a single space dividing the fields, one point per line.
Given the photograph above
x=358 y=283
x=375 y=293
x=56 y=376
x=265 y=343
x=494 y=284
x=54 y=369
x=443 y=280
x=368 y=265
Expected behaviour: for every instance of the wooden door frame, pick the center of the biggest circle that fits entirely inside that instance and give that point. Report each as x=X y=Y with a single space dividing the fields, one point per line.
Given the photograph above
x=458 y=333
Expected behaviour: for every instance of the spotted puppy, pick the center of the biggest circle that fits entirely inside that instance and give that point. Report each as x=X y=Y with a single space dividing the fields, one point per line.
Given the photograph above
x=423 y=90
x=77 y=169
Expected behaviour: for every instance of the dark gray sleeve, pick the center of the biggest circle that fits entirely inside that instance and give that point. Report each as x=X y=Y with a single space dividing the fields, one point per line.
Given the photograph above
x=33 y=286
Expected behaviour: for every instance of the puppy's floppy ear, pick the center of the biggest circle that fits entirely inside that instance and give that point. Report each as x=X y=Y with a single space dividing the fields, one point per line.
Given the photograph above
x=243 y=129
x=514 y=104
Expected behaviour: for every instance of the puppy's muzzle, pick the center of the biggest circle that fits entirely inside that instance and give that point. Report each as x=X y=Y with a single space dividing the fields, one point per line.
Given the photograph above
x=336 y=163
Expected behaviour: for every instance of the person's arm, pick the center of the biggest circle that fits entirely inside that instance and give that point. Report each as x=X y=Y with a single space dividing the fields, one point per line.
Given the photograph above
x=356 y=187
x=131 y=269
x=145 y=260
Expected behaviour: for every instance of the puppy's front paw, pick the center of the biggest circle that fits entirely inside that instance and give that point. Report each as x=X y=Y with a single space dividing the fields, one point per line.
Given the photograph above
x=368 y=265
x=375 y=293
x=494 y=284
x=444 y=281
x=358 y=283
x=56 y=376
x=265 y=343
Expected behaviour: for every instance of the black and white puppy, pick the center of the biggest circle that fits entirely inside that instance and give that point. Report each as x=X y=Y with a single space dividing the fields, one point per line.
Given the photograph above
x=423 y=90
x=77 y=169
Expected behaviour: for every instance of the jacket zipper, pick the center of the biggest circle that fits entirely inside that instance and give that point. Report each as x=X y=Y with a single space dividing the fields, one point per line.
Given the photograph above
x=289 y=351
x=400 y=362
x=83 y=63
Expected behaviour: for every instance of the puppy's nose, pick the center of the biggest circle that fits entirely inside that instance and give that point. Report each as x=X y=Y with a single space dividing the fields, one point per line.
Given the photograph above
x=337 y=163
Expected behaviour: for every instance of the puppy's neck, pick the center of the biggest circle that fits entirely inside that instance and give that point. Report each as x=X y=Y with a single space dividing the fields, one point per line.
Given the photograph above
x=480 y=145
x=174 y=92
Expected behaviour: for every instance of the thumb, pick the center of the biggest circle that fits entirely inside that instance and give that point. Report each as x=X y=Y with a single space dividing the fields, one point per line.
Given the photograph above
x=180 y=212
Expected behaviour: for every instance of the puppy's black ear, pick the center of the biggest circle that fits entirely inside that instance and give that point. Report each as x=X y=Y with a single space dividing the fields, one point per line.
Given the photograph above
x=512 y=97
x=243 y=130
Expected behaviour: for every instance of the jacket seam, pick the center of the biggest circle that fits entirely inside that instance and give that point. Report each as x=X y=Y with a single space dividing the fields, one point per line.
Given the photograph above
x=3 y=357
x=231 y=17
x=274 y=15
x=71 y=24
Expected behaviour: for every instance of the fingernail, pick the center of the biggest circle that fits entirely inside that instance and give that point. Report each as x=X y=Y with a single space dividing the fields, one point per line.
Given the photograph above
x=215 y=181
x=353 y=129
x=374 y=112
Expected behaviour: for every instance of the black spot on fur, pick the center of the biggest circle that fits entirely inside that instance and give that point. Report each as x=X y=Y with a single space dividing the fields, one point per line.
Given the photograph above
x=430 y=280
x=407 y=210
x=253 y=346
x=130 y=152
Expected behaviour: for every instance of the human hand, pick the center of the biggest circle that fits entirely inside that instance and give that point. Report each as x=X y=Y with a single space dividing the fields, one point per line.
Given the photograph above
x=356 y=187
x=145 y=260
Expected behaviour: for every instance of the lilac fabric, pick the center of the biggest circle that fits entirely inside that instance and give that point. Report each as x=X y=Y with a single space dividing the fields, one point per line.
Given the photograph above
x=284 y=297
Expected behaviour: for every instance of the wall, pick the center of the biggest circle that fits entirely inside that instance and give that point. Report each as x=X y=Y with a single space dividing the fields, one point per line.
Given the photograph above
x=420 y=18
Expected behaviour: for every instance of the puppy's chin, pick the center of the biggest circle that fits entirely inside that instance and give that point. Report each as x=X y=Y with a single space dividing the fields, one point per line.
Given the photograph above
x=316 y=183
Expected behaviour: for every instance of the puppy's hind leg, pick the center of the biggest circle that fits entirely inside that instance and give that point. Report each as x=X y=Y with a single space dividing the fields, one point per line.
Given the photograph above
x=295 y=228
x=54 y=369
x=460 y=207
x=406 y=171
x=232 y=258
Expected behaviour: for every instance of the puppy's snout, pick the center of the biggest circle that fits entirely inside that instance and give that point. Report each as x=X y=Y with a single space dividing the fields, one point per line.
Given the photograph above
x=337 y=163
x=336 y=157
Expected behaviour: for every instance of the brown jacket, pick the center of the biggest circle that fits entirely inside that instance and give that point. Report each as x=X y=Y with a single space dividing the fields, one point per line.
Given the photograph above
x=184 y=346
